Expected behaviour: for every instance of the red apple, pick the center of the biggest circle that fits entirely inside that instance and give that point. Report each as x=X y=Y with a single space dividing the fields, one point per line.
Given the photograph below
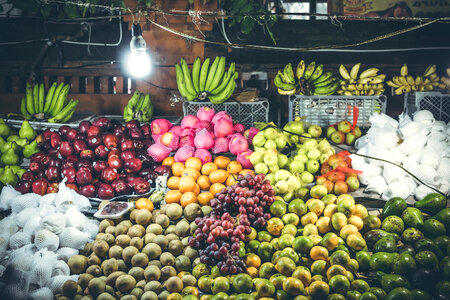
x=84 y=126
x=36 y=167
x=24 y=186
x=135 y=133
x=121 y=187
x=119 y=130
x=84 y=176
x=105 y=191
x=47 y=134
x=93 y=130
x=320 y=180
x=80 y=136
x=39 y=186
x=55 y=140
x=72 y=186
x=110 y=141
x=146 y=130
x=53 y=152
x=102 y=122
x=115 y=162
x=88 y=191
x=53 y=188
x=126 y=144
x=69 y=162
x=138 y=144
x=79 y=145
x=71 y=134
x=99 y=166
x=109 y=174
x=132 y=124
x=114 y=153
x=87 y=154
x=127 y=154
x=101 y=151
x=133 y=165
x=63 y=130
x=94 y=141
x=54 y=162
x=28 y=175
x=140 y=185
x=70 y=174
x=65 y=149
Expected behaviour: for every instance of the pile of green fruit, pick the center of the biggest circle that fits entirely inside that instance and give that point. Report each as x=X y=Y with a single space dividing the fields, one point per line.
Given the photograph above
x=205 y=82
x=367 y=83
x=139 y=108
x=342 y=133
x=54 y=105
x=13 y=146
x=307 y=80
x=410 y=249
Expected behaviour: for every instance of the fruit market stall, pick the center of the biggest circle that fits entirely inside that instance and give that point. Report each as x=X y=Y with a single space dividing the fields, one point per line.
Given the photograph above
x=203 y=194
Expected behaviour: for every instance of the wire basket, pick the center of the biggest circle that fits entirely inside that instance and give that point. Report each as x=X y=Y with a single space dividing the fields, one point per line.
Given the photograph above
x=244 y=112
x=328 y=110
x=436 y=102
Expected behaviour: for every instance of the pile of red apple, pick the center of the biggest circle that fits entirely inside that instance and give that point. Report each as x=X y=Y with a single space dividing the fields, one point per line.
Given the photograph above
x=343 y=133
x=337 y=175
x=101 y=159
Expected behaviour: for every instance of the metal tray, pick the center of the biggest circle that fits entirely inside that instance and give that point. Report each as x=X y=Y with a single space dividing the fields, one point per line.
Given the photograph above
x=77 y=117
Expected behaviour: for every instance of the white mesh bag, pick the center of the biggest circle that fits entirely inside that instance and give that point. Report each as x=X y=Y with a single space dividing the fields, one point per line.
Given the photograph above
x=73 y=238
x=92 y=228
x=47 y=209
x=19 y=239
x=55 y=283
x=54 y=223
x=7 y=195
x=81 y=201
x=41 y=270
x=2 y=270
x=15 y=291
x=46 y=239
x=43 y=293
x=26 y=214
x=61 y=268
x=48 y=199
x=64 y=198
x=23 y=261
x=4 y=242
x=24 y=201
x=8 y=225
x=74 y=218
x=65 y=253
x=32 y=225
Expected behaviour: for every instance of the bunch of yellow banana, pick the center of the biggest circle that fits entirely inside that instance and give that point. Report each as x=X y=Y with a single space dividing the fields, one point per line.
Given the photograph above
x=54 y=105
x=406 y=83
x=204 y=81
x=367 y=83
x=308 y=80
x=445 y=81
x=139 y=107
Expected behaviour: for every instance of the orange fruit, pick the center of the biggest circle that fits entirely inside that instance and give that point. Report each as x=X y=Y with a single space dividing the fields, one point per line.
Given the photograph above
x=173 y=196
x=204 y=198
x=252 y=271
x=173 y=182
x=203 y=182
x=168 y=161
x=234 y=167
x=193 y=162
x=187 y=184
x=253 y=260
x=188 y=198
x=144 y=203
x=231 y=179
x=177 y=168
x=218 y=176
x=191 y=172
x=197 y=189
x=245 y=171
x=216 y=187
x=208 y=168
x=222 y=162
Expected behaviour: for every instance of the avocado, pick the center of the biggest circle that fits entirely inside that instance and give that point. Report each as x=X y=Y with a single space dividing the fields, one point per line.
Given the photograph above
x=432 y=203
x=411 y=235
x=412 y=217
x=386 y=244
x=433 y=228
x=405 y=264
x=428 y=245
x=427 y=259
x=392 y=281
x=394 y=207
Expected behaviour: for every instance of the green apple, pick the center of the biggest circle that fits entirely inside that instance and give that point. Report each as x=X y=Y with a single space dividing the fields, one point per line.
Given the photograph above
x=303 y=192
x=256 y=157
x=312 y=166
x=357 y=132
x=304 y=137
x=270 y=133
x=344 y=126
x=301 y=157
x=306 y=177
x=294 y=183
x=259 y=140
x=350 y=138
x=261 y=168
x=297 y=127
x=271 y=178
x=338 y=137
x=313 y=154
x=296 y=166
x=270 y=159
x=315 y=130
x=324 y=146
x=288 y=196
x=329 y=199
x=270 y=144
x=281 y=142
x=283 y=160
x=323 y=158
x=330 y=131
x=318 y=191
x=309 y=144
x=302 y=150
x=282 y=175
x=281 y=187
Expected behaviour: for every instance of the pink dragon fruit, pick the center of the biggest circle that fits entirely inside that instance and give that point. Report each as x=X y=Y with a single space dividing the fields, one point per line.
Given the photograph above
x=176 y=129
x=204 y=139
x=184 y=153
x=170 y=139
x=239 y=128
x=244 y=159
x=237 y=144
x=160 y=126
x=204 y=155
x=221 y=115
x=158 y=152
x=220 y=145
x=187 y=140
x=223 y=128
x=205 y=113
x=189 y=121
x=250 y=133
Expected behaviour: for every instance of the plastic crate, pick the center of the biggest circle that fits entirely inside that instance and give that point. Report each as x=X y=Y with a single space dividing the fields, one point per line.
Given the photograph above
x=436 y=102
x=244 y=112
x=328 y=110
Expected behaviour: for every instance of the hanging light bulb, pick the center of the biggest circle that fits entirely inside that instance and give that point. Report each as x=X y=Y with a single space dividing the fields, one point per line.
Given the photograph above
x=138 y=61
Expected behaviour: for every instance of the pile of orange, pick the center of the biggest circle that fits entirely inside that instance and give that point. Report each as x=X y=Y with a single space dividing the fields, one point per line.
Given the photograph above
x=194 y=182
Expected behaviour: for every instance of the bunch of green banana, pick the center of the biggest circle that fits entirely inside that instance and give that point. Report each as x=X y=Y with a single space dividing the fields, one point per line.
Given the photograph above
x=54 y=104
x=307 y=80
x=445 y=81
x=367 y=83
x=139 y=107
x=406 y=83
x=205 y=81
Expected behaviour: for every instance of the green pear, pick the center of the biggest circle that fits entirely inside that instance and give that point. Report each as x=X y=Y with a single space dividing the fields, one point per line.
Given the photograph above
x=256 y=157
x=270 y=144
x=294 y=183
x=323 y=158
x=297 y=127
x=303 y=192
x=26 y=131
x=273 y=169
x=9 y=158
x=306 y=177
x=309 y=144
x=324 y=146
x=259 y=140
x=302 y=150
x=31 y=149
x=301 y=157
x=282 y=175
x=270 y=133
x=283 y=160
x=2 y=142
x=313 y=154
x=281 y=187
x=287 y=127
x=294 y=139
x=305 y=137
x=8 y=177
x=12 y=138
x=5 y=131
x=9 y=145
x=296 y=166
x=22 y=142
x=271 y=178
x=270 y=159
x=261 y=168
x=281 y=142
x=288 y=196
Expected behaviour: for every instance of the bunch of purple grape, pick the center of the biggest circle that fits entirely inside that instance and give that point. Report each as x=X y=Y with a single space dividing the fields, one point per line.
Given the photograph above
x=114 y=208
